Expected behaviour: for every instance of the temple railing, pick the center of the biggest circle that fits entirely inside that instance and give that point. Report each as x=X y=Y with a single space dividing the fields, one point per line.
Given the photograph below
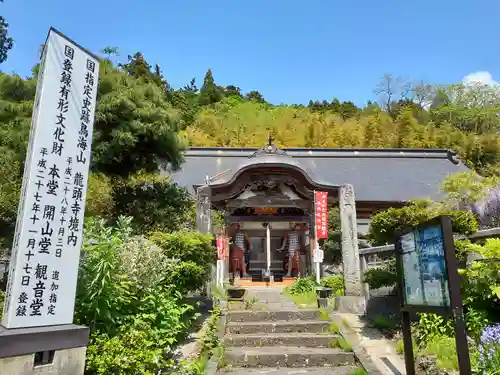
x=380 y=256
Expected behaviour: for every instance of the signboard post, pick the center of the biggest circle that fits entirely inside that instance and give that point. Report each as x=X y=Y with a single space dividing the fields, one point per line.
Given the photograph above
x=429 y=283
x=320 y=227
x=49 y=229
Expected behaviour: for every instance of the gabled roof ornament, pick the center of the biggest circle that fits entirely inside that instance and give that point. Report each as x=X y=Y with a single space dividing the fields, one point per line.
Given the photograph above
x=269 y=149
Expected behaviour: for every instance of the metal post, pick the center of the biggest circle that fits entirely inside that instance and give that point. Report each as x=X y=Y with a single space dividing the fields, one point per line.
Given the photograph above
x=268 y=249
x=316 y=245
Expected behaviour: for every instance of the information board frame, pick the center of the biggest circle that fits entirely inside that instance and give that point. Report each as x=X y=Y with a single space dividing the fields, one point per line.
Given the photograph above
x=455 y=306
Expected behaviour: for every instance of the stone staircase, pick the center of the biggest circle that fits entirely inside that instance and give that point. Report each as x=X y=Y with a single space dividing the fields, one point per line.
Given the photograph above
x=281 y=337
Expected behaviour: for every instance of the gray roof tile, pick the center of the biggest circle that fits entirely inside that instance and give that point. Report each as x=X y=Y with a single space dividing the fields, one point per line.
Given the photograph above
x=376 y=174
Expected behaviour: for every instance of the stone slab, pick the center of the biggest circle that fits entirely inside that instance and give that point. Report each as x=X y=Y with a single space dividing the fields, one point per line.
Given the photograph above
x=341 y=370
x=291 y=326
x=270 y=315
x=351 y=304
x=310 y=340
x=278 y=356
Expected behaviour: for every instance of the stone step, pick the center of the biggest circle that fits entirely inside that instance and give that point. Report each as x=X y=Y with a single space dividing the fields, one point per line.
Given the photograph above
x=271 y=316
x=287 y=357
x=291 y=326
x=310 y=340
x=340 y=370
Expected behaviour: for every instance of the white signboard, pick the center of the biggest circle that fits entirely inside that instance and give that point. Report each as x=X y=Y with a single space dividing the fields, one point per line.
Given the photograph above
x=318 y=255
x=49 y=229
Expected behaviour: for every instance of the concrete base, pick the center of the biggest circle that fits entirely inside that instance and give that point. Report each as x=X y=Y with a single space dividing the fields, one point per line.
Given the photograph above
x=351 y=304
x=52 y=350
x=66 y=361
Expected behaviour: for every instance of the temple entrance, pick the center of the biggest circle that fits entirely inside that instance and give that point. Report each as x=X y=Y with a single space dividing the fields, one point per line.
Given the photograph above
x=274 y=262
x=267 y=196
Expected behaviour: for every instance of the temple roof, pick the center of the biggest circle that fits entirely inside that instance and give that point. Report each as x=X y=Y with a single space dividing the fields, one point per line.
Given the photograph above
x=387 y=175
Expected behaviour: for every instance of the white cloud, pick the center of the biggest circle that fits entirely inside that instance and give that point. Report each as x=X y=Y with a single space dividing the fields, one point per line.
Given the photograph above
x=480 y=77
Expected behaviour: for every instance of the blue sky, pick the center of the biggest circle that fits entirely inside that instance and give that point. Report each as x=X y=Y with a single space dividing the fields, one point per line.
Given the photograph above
x=291 y=51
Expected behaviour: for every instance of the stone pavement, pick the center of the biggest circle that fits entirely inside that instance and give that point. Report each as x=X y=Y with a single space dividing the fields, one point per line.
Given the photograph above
x=381 y=351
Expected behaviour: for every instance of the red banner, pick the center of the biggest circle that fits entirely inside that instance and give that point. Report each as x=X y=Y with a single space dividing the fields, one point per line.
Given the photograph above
x=220 y=247
x=321 y=203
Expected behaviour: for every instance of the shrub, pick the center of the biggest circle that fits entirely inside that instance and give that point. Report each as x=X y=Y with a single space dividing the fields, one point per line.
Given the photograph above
x=336 y=282
x=445 y=351
x=379 y=277
x=155 y=203
x=385 y=224
x=303 y=285
x=2 y=301
x=187 y=246
x=184 y=276
x=99 y=200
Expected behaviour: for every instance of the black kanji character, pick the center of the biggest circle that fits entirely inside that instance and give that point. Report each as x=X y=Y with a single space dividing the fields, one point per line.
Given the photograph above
x=31 y=243
x=77 y=193
x=52 y=186
x=49 y=212
x=58 y=134
x=42 y=163
x=47 y=230
x=65 y=80
x=44 y=151
x=39 y=184
x=51 y=310
x=37 y=196
x=76 y=208
x=90 y=67
x=78 y=180
x=23 y=298
x=55 y=275
x=44 y=244
x=21 y=310
x=64 y=91
x=74 y=223
x=35 y=306
x=67 y=65
x=41 y=272
x=57 y=148
x=29 y=254
x=81 y=158
x=36 y=207
x=72 y=239
x=54 y=287
x=34 y=218
x=27 y=268
x=25 y=280
x=53 y=298
x=82 y=143
x=69 y=52
x=39 y=288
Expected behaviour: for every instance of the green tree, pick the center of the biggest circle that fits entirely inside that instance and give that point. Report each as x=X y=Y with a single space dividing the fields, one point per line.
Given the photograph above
x=6 y=42
x=135 y=127
x=255 y=96
x=209 y=93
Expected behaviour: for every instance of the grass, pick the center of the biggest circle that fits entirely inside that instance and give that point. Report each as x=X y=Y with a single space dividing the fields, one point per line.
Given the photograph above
x=250 y=302
x=358 y=371
x=323 y=315
x=333 y=328
x=304 y=300
x=341 y=343
x=445 y=351
x=383 y=322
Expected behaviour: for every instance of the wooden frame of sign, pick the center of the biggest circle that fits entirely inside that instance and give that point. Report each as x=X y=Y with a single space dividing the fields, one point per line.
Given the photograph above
x=428 y=282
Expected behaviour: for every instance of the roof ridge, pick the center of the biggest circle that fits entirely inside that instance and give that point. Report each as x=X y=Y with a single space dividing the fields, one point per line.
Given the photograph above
x=434 y=153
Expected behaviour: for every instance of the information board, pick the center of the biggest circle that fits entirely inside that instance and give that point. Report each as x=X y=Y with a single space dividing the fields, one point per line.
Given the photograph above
x=425 y=273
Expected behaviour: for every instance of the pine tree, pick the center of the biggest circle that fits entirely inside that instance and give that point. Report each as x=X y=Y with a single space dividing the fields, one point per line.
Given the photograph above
x=209 y=93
